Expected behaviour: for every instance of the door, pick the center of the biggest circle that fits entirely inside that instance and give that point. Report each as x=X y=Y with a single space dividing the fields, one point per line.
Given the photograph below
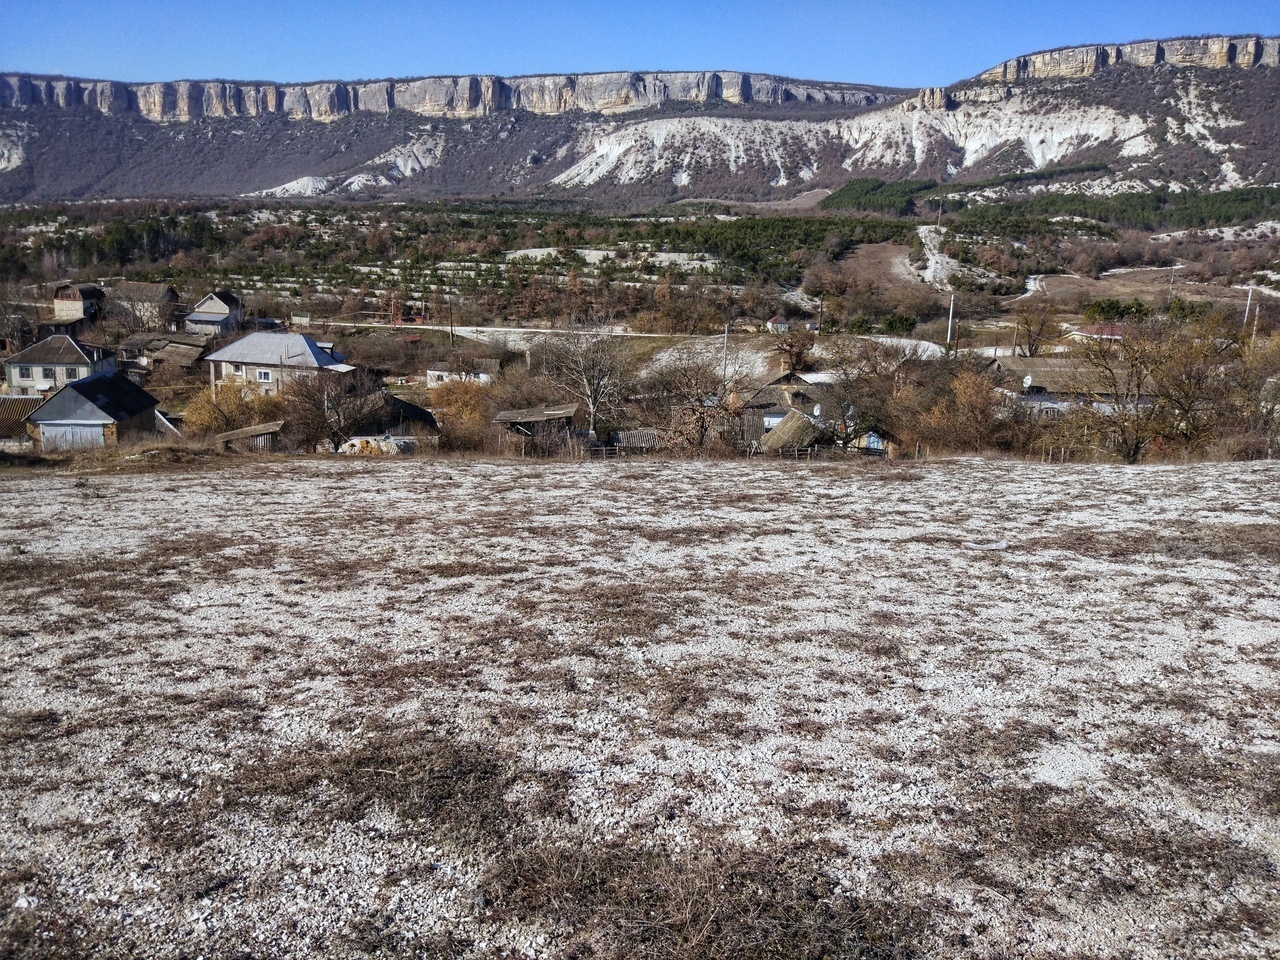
x=70 y=436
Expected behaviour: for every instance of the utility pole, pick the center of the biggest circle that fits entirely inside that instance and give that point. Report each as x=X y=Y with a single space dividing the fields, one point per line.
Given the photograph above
x=951 y=317
x=1247 y=304
x=724 y=371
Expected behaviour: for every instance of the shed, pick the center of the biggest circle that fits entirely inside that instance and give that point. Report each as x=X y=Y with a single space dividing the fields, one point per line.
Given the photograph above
x=264 y=437
x=537 y=419
x=14 y=411
x=97 y=411
x=796 y=431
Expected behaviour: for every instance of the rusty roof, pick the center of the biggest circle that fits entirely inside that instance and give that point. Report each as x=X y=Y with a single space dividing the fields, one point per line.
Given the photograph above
x=13 y=414
x=564 y=411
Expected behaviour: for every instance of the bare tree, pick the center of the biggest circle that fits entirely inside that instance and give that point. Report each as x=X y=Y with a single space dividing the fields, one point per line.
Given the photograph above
x=795 y=346
x=1121 y=413
x=12 y=318
x=696 y=397
x=595 y=369
x=1035 y=325
x=330 y=407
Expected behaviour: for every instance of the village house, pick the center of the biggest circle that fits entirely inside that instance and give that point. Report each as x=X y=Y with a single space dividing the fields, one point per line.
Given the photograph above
x=269 y=360
x=97 y=411
x=1051 y=385
x=435 y=378
x=149 y=305
x=75 y=307
x=53 y=363
x=218 y=315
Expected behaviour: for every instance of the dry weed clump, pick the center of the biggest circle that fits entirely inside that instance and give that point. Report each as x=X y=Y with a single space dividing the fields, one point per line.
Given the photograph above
x=713 y=900
x=1181 y=541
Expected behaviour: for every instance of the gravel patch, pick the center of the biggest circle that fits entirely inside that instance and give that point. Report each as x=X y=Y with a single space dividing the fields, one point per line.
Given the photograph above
x=478 y=709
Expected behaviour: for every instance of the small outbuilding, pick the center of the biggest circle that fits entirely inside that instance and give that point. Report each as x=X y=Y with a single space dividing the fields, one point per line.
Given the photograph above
x=14 y=411
x=537 y=420
x=218 y=315
x=98 y=411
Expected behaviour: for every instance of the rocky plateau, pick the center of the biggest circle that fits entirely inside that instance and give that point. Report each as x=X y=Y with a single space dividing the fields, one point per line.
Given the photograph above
x=1181 y=114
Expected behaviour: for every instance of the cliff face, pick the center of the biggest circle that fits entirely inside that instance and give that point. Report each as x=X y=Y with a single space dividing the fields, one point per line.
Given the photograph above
x=473 y=96
x=1213 y=53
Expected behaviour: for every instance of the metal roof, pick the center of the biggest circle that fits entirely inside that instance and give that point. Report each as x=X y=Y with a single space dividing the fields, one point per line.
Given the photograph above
x=279 y=349
x=1061 y=375
x=245 y=433
x=178 y=353
x=13 y=414
x=537 y=414
x=56 y=349
x=114 y=394
x=208 y=317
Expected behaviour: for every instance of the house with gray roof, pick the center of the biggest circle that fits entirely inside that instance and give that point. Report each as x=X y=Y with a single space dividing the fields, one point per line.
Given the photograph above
x=53 y=363
x=147 y=305
x=219 y=314
x=97 y=411
x=269 y=360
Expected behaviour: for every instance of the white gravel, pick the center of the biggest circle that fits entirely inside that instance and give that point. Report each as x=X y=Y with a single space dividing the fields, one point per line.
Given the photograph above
x=1065 y=748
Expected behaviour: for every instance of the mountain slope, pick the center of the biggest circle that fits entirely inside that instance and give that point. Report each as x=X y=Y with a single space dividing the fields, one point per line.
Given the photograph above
x=1185 y=114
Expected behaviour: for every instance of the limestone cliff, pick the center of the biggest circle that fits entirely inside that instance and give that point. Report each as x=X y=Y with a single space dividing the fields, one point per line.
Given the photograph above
x=1213 y=53
x=472 y=96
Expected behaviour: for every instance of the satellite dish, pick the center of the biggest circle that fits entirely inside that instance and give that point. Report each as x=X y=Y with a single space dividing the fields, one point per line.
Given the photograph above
x=1026 y=382
x=143 y=361
x=817 y=409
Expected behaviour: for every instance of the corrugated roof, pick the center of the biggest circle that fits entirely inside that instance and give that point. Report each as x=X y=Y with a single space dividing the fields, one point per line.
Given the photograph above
x=113 y=393
x=277 y=349
x=796 y=430
x=537 y=414
x=1063 y=375
x=56 y=349
x=207 y=317
x=178 y=353
x=13 y=414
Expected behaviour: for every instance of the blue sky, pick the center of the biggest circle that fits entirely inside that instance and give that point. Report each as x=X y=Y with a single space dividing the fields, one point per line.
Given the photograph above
x=891 y=43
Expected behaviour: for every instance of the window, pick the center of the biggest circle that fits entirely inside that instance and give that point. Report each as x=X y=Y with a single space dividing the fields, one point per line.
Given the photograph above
x=24 y=373
x=73 y=373
x=47 y=373
x=238 y=369
x=264 y=376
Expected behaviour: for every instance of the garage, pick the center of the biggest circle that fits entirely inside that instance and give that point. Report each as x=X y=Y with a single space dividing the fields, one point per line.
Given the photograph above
x=98 y=411
x=70 y=436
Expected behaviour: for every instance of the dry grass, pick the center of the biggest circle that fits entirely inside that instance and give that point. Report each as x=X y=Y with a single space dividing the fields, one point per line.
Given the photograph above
x=461 y=709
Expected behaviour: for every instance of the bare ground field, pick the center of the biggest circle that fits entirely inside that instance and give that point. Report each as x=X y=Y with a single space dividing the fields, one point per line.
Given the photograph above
x=1148 y=284
x=476 y=709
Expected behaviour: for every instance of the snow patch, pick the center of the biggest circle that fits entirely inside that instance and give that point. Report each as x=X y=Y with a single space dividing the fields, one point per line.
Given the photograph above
x=302 y=187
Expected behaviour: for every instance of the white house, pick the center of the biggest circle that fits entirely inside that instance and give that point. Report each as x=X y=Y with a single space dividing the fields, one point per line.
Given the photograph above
x=53 y=363
x=436 y=377
x=270 y=359
x=218 y=315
